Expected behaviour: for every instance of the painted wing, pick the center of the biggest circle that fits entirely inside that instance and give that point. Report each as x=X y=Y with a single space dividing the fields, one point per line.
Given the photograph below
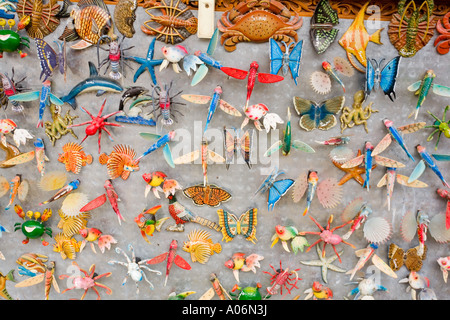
x=300 y=145
x=218 y=195
x=31 y=281
x=370 y=78
x=269 y=78
x=26 y=96
x=55 y=100
x=403 y=180
x=441 y=157
x=322 y=116
x=353 y=162
x=48 y=58
x=410 y=128
x=213 y=43
x=383 y=266
x=276 y=57
x=168 y=155
x=187 y=158
x=4 y=186
x=395 y=255
x=389 y=77
x=322 y=38
x=229 y=109
x=418 y=171
x=306 y=110
x=329 y=193
x=441 y=90
x=247 y=222
x=199 y=75
x=196 y=194
x=408 y=226
x=23 y=189
x=196 y=98
x=215 y=157
x=278 y=189
x=180 y=262
x=273 y=148
x=295 y=58
x=97 y=202
x=382 y=145
x=245 y=146
x=228 y=222
x=300 y=187
x=149 y=136
x=235 y=73
x=158 y=259
x=386 y=162
x=229 y=146
x=21 y=158
x=415 y=86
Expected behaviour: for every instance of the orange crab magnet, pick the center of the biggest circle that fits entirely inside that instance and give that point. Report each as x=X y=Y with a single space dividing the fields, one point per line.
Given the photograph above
x=252 y=21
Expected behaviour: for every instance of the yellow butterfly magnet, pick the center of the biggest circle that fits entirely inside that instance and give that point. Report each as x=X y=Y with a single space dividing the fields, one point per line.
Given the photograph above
x=232 y=226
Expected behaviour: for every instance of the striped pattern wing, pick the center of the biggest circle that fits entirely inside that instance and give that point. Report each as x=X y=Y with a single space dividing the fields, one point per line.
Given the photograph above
x=247 y=223
x=229 y=224
x=229 y=146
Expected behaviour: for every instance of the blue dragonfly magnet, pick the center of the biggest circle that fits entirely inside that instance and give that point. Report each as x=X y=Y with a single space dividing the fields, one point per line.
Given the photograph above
x=45 y=97
x=371 y=156
x=162 y=141
x=214 y=101
x=207 y=59
x=397 y=134
x=427 y=161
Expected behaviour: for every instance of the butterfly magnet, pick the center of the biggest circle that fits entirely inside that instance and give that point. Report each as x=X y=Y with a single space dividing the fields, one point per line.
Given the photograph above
x=289 y=60
x=384 y=78
x=235 y=144
x=315 y=115
x=275 y=188
x=50 y=60
x=209 y=194
x=233 y=225
x=321 y=31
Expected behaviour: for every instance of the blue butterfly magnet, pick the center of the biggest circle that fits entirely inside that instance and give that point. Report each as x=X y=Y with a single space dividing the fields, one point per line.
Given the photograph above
x=275 y=188
x=285 y=61
x=385 y=78
x=49 y=60
x=315 y=115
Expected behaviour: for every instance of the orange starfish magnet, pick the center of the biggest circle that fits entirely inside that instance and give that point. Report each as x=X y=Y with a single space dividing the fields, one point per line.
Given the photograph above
x=352 y=173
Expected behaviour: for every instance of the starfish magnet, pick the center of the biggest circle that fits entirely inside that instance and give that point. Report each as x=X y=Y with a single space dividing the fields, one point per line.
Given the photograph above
x=325 y=263
x=147 y=63
x=352 y=173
